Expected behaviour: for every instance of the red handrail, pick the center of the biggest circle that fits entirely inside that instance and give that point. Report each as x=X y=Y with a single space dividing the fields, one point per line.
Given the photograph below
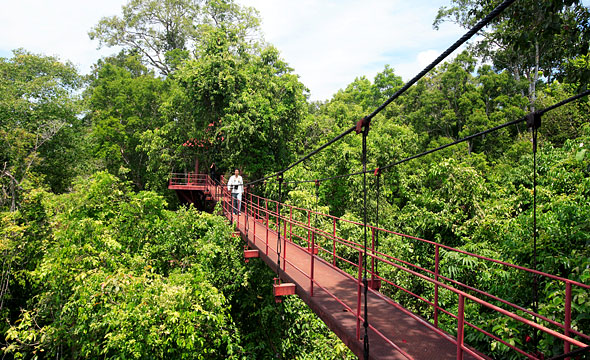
x=340 y=245
x=375 y=257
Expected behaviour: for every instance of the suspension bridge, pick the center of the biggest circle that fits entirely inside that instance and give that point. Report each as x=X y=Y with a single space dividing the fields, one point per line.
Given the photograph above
x=326 y=270
x=350 y=284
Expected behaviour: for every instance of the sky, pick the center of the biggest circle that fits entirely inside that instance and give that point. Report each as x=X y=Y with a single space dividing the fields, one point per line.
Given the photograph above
x=328 y=43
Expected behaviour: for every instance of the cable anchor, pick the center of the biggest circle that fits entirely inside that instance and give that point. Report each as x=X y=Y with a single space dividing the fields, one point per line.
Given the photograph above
x=533 y=122
x=362 y=125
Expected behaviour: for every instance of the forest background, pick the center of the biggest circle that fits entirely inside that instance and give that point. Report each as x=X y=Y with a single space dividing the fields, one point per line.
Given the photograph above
x=99 y=259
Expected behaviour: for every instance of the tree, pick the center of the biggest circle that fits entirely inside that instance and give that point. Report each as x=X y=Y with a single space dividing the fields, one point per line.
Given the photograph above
x=124 y=100
x=116 y=275
x=119 y=276
x=165 y=33
x=566 y=122
x=529 y=37
x=241 y=106
x=39 y=111
x=386 y=83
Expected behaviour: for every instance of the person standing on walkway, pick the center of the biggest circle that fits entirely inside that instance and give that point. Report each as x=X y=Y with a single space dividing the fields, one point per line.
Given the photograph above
x=236 y=186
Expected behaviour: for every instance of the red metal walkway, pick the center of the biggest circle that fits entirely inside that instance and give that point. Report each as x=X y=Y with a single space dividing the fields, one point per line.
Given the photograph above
x=394 y=332
x=328 y=282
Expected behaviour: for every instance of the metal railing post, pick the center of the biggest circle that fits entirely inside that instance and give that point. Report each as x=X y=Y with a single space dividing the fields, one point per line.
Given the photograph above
x=334 y=244
x=284 y=244
x=277 y=218
x=460 y=326
x=267 y=225
x=247 y=224
x=312 y=262
x=436 y=272
x=373 y=252
x=254 y=224
x=568 y=316
x=358 y=298
x=308 y=225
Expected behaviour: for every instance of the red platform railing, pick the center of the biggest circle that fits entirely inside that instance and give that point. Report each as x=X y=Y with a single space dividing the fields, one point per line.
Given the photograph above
x=321 y=235
x=189 y=179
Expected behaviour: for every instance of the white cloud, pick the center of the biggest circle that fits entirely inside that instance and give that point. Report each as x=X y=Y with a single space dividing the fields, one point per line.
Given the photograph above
x=55 y=27
x=327 y=42
x=330 y=43
x=425 y=58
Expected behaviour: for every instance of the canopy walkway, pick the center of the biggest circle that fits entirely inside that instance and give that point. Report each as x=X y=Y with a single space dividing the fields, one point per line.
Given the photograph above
x=351 y=283
x=315 y=255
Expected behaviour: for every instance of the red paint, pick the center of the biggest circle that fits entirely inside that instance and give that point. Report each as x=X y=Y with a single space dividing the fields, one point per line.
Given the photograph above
x=435 y=277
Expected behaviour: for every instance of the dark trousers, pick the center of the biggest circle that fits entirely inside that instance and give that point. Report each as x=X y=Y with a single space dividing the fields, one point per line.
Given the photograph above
x=235 y=203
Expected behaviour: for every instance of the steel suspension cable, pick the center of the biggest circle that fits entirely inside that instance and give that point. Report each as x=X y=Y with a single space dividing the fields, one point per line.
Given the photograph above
x=456 y=142
x=564 y=102
x=324 y=179
x=495 y=128
x=483 y=22
x=572 y=353
x=388 y=166
x=305 y=157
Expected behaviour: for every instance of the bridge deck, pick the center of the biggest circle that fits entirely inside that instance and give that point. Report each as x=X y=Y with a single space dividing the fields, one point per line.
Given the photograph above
x=395 y=333
x=401 y=331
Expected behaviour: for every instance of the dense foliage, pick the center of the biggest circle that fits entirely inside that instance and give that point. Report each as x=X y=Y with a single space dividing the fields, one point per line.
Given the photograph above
x=39 y=131
x=476 y=196
x=99 y=259
x=105 y=272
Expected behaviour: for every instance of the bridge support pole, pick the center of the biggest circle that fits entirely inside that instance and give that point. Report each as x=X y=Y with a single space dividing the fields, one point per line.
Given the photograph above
x=311 y=253
x=254 y=224
x=568 y=316
x=358 y=297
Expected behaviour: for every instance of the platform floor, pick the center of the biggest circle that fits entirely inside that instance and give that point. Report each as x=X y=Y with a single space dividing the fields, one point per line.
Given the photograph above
x=397 y=331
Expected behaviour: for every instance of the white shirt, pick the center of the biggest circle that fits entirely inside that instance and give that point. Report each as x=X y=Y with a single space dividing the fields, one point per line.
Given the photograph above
x=235 y=180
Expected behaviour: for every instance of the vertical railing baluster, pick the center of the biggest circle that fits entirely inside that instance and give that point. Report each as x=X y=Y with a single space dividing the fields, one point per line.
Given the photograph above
x=334 y=244
x=460 y=326
x=312 y=263
x=358 y=298
x=267 y=225
x=373 y=256
x=436 y=273
x=254 y=224
x=568 y=315
x=308 y=229
x=284 y=244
